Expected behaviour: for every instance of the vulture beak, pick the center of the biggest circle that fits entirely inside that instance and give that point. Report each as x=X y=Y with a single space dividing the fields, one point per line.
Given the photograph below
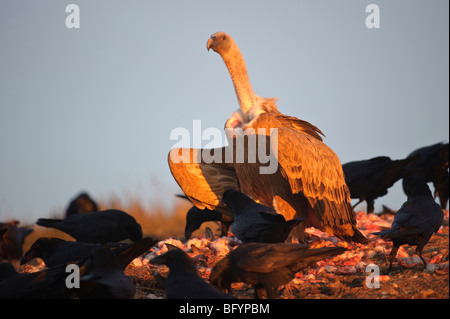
x=209 y=43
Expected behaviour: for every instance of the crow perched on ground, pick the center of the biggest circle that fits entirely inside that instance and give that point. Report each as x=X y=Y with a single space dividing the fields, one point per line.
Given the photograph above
x=432 y=166
x=370 y=179
x=12 y=240
x=97 y=227
x=83 y=203
x=267 y=266
x=47 y=283
x=255 y=222
x=415 y=222
x=100 y=275
x=183 y=281
x=386 y=211
x=55 y=251
x=103 y=277
x=441 y=190
x=195 y=217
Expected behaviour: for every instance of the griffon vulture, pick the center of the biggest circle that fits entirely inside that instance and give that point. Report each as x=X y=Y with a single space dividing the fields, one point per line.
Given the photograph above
x=308 y=181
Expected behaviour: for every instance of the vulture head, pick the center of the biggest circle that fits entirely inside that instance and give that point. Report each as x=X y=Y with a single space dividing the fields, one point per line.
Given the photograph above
x=221 y=43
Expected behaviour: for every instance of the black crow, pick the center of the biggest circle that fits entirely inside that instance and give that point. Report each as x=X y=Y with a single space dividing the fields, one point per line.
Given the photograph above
x=386 y=211
x=99 y=275
x=370 y=179
x=55 y=251
x=255 y=222
x=12 y=241
x=415 y=222
x=83 y=203
x=195 y=217
x=44 y=284
x=7 y=270
x=97 y=227
x=183 y=281
x=432 y=166
x=267 y=266
x=103 y=277
x=441 y=190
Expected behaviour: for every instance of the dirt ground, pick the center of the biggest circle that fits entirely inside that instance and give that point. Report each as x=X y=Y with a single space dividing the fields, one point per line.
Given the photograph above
x=347 y=276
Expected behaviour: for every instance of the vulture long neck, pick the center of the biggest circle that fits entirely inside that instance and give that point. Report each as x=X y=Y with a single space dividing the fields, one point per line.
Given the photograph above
x=238 y=71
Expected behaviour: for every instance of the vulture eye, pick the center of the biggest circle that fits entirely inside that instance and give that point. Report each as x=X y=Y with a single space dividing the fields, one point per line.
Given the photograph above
x=224 y=38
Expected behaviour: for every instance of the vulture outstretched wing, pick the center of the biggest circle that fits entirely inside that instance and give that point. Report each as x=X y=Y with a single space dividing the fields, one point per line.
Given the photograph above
x=204 y=183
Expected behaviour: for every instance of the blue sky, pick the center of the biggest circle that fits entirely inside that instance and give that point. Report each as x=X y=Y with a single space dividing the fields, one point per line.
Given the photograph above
x=92 y=108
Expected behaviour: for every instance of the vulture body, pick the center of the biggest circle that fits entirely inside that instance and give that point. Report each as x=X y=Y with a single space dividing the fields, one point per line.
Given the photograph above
x=370 y=179
x=307 y=182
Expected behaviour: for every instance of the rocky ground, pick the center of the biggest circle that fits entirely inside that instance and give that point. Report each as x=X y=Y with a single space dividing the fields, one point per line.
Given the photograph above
x=348 y=276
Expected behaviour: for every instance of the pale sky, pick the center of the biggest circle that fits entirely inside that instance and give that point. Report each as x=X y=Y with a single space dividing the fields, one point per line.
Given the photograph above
x=92 y=108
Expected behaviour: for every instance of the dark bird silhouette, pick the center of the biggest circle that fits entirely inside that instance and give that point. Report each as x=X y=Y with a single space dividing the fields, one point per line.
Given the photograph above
x=183 y=281
x=255 y=222
x=415 y=222
x=7 y=270
x=100 y=276
x=195 y=217
x=44 y=284
x=441 y=190
x=97 y=227
x=370 y=179
x=55 y=251
x=83 y=203
x=432 y=166
x=305 y=179
x=135 y=250
x=386 y=211
x=103 y=278
x=267 y=266
x=12 y=240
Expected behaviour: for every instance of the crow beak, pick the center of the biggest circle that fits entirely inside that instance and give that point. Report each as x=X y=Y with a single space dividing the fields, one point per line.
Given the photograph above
x=159 y=260
x=27 y=257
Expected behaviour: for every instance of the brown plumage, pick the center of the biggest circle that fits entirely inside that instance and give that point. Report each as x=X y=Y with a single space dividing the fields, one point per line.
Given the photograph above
x=267 y=266
x=308 y=181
